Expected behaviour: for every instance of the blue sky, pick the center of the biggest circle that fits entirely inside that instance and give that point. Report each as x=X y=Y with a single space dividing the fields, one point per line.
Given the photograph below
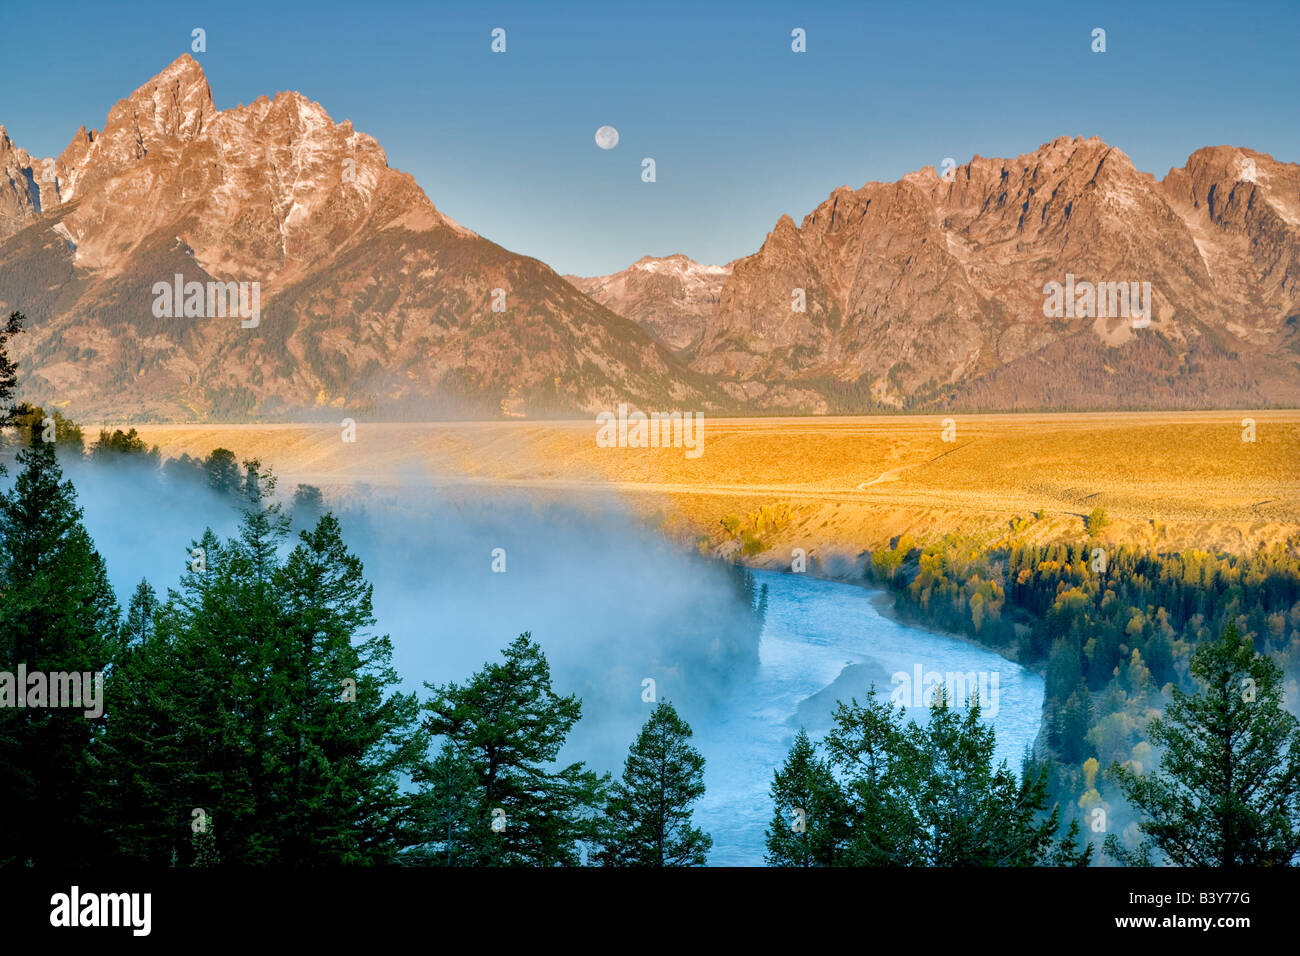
x=741 y=129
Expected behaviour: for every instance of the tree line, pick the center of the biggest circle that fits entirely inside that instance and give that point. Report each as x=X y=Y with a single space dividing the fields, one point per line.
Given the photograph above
x=1116 y=631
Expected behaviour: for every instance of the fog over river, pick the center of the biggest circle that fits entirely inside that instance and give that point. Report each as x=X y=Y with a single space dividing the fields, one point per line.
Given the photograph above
x=611 y=602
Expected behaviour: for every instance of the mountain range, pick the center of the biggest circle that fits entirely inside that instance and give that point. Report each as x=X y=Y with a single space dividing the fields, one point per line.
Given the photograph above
x=923 y=294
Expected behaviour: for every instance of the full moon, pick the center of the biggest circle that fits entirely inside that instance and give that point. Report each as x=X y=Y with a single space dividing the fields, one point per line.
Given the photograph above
x=607 y=137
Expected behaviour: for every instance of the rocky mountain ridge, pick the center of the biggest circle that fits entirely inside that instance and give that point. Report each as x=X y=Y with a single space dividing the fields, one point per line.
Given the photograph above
x=931 y=292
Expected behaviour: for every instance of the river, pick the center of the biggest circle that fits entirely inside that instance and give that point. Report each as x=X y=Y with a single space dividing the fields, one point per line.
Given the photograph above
x=813 y=630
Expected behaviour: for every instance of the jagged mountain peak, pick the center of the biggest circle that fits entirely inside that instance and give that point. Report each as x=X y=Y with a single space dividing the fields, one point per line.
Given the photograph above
x=966 y=259
x=677 y=262
x=920 y=293
x=370 y=297
x=169 y=109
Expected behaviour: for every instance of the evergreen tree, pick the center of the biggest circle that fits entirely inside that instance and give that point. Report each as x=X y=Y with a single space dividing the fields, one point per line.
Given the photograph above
x=8 y=368
x=341 y=739
x=862 y=745
x=223 y=472
x=230 y=637
x=143 y=755
x=447 y=813
x=930 y=795
x=1227 y=792
x=120 y=447
x=138 y=627
x=966 y=811
x=33 y=423
x=177 y=738
x=810 y=821
x=1074 y=721
x=206 y=853
x=57 y=614
x=308 y=505
x=196 y=733
x=288 y=727
x=1160 y=659
x=1064 y=669
x=501 y=734
x=184 y=471
x=648 y=816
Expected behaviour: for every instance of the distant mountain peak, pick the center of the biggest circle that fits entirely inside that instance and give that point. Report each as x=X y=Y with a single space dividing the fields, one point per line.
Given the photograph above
x=669 y=295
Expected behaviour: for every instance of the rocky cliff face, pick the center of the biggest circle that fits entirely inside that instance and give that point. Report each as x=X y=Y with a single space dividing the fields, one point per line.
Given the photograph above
x=930 y=292
x=22 y=180
x=371 y=300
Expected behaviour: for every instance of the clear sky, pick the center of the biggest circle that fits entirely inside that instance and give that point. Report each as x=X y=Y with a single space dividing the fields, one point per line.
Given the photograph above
x=741 y=128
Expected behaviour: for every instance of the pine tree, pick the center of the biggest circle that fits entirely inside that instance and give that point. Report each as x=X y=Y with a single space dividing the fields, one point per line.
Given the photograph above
x=57 y=614
x=138 y=627
x=447 y=814
x=810 y=821
x=174 y=742
x=862 y=745
x=287 y=726
x=966 y=811
x=8 y=369
x=648 y=816
x=308 y=506
x=32 y=423
x=124 y=449
x=505 y=728
x=929 y=794
x=228 y=642
x=341 y=737
x=1074 y=721
x=223 y=472
x=1227 y=792
x=206 y=853
x=145 y=764
x=198 y=733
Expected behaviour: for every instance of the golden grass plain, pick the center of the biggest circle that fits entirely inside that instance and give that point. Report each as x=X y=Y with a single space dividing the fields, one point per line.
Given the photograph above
x=1171 y=480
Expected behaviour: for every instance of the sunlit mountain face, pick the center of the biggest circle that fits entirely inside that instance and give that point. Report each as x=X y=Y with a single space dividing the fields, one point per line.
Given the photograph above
x=935 y=291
